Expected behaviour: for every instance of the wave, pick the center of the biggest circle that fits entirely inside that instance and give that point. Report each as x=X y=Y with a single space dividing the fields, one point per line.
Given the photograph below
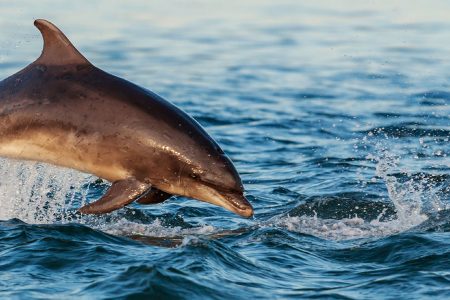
x=432 y=98
x=407 y=129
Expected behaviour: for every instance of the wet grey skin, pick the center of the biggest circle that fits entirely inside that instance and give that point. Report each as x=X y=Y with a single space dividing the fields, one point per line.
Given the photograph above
x=64 y=111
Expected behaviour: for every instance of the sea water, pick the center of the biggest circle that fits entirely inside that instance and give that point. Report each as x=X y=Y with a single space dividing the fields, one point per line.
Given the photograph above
x=335 y=113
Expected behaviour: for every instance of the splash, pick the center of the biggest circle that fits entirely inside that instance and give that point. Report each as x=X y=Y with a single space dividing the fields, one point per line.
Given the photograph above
x=414 y=198
x=345 y=229
x=156 y=228
x=38 y=193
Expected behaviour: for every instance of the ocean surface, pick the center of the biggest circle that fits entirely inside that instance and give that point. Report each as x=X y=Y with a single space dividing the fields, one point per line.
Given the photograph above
x=335 y=113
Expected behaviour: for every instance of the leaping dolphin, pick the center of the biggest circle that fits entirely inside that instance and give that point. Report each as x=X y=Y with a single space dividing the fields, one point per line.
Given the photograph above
x=64 y=111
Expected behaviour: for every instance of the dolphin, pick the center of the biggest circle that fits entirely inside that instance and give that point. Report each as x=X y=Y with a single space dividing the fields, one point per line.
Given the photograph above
x=63 y=110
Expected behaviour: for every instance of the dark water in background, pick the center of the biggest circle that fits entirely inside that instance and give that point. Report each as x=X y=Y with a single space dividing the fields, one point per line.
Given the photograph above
x=337 y=115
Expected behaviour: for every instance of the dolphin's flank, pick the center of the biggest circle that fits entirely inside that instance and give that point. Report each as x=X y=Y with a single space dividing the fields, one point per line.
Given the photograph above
x=64 y=111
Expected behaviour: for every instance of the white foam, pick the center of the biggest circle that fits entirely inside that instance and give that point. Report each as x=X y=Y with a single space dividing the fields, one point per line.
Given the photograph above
x=346 y=229
x=413 y=199
x=39 y=193
x=125 y=227
x=36 y=192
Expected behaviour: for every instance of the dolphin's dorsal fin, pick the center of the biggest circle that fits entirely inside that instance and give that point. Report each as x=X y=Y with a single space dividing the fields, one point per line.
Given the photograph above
x=58 y=50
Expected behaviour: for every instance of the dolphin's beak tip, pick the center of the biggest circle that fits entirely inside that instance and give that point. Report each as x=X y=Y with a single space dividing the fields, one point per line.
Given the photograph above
x=247 y=212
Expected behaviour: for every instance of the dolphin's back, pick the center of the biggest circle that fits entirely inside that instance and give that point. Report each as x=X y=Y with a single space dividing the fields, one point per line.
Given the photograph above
x=85 y=101
x=76 y=110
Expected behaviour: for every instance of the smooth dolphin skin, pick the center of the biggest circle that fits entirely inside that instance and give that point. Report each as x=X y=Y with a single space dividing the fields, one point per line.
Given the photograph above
x=64 y=111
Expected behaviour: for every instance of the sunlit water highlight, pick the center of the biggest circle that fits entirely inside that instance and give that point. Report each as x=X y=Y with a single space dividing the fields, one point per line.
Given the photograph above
x=337 y=116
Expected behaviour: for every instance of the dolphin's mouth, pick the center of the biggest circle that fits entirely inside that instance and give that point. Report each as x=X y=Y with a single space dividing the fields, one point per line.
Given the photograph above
x=231 y=200
x=238 y=204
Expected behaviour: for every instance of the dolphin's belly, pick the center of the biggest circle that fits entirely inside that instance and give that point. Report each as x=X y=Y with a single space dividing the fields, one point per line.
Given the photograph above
x=62 y=147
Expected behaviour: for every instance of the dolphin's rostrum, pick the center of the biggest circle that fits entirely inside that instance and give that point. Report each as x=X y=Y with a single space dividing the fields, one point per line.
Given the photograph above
x=63 y=110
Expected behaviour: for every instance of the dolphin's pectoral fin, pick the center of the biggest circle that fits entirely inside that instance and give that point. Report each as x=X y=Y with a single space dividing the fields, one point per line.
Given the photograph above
x=154 y=196
x=120 y=193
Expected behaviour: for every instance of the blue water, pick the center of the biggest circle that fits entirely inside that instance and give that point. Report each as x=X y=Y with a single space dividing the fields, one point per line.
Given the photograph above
x=336 y=114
